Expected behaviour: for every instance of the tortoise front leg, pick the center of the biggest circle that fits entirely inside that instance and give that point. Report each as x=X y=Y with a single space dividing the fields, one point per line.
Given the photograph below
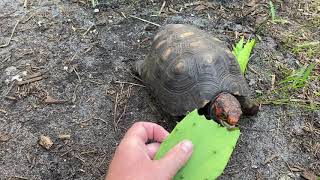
x=249 y=106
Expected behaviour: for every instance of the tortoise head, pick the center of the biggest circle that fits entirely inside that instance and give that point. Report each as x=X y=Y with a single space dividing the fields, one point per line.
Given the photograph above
x=226 y=109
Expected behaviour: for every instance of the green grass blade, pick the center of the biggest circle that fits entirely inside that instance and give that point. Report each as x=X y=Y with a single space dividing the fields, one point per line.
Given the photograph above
x=94 y=3
x=213 y=146
x=299 y=77
x=272 y=11
x=308 y=72
x=297 y=80
x=242 y=52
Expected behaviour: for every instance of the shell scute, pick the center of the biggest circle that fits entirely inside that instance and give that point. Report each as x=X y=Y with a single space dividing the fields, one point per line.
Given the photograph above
x=187 y=67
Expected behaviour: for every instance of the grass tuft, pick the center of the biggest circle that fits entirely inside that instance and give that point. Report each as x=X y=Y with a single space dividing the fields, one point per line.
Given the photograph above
x=296 y=90
x=298 y=78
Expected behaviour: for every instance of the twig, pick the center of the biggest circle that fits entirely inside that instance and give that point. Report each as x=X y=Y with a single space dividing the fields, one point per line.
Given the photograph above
x=30 y=80
x=28 y=158
x=25 y=3
x=95 y=82
x=88 y=152
x=9 y=89
x=74 y=69
x=125 y=106
x=18 y=177
x=115 y=111
x=10 y=98
x=163 y=5
x=253 y=70
x=28 y=18
x=145 y=20
x=134 y=84
x=51 y=100
x=88 y=30
x=74 y=56
x=123 y=15
x=273 y=80
x=3 y=111
x=277 y=101
x=253 y=129
x=13 y=30
x=74 y=95
x=124 y=111
x=66 y=152
x=270 y=159
x=136 y=77
x=175 y=11
x=101 y=162
x=192 y=4
x=6 y=59
x=34 y=75
x=80 y=158
x=96 y=118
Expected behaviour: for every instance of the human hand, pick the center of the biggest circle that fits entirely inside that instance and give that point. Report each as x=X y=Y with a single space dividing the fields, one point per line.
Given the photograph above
x=133 y=159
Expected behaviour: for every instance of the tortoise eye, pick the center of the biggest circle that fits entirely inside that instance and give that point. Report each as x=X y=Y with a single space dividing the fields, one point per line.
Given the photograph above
x=224 y=116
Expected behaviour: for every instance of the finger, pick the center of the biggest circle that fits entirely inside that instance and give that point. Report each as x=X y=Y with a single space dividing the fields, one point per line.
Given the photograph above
x=152 y=149
x=176 y=158
x=144 y=131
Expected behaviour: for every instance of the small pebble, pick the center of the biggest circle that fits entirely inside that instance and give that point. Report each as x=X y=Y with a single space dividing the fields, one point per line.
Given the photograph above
x=252 y=82
x=11 y=70
x=45 y=142
x=4 y=137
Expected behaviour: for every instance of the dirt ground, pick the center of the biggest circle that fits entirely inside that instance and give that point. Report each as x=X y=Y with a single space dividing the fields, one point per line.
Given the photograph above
x=85 y=87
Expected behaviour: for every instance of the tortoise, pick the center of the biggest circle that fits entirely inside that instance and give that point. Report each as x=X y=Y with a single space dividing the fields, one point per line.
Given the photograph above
x=189 y=69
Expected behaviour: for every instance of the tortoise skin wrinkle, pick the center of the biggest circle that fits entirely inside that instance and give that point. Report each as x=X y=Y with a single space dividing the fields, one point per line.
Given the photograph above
x=187 y=68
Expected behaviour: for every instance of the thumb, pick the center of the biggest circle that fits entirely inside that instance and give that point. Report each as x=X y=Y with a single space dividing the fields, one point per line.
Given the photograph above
x=176 y=158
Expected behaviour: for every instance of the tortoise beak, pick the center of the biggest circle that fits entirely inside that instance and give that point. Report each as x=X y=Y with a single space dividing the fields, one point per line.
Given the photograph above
x=227 y=125
x=232 y=120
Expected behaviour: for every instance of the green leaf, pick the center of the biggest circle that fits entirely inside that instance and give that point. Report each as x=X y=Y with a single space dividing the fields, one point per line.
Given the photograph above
x=239 y=45
x=242 y=52
x=213 y=146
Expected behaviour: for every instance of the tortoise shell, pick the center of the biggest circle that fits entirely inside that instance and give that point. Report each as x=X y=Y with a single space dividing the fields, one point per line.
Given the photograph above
x=187 y=68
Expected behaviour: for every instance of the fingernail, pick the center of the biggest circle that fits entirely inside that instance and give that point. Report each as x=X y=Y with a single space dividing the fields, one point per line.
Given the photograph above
x=186 y=146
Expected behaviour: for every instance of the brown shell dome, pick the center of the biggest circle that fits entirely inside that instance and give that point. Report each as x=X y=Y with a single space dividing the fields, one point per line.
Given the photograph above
x=187 y=67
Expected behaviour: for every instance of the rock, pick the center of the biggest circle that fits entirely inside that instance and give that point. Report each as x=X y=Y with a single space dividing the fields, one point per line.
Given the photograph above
x=285 y=177
x=4 y=137
x=309 y=175
x=252 y=82
x=10 y=71
x=45 y=142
